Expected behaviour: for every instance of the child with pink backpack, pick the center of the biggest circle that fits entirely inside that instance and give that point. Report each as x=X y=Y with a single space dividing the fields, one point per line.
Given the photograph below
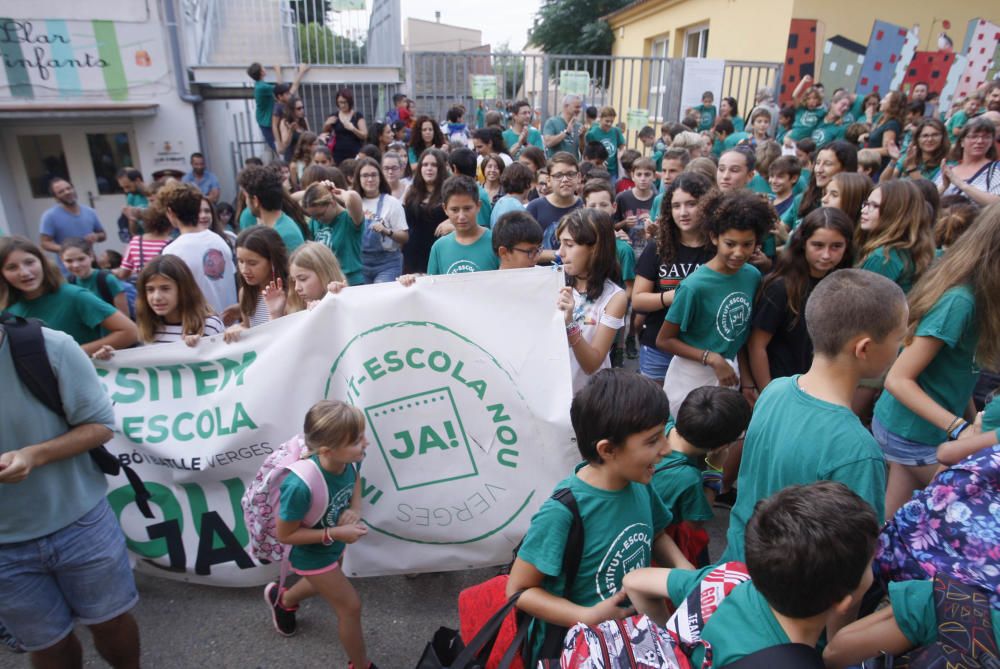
x=307 y=498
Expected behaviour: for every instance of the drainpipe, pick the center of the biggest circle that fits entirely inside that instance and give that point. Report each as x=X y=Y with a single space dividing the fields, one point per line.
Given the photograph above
x=180 y=71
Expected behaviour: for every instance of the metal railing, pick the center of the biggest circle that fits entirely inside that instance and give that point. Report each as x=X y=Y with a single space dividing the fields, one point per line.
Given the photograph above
x=743 y=79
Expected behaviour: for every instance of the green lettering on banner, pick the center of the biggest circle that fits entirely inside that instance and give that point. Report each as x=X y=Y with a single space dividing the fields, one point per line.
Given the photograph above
x=235 y=369
x=123 y=381
x=161 y=496
x=204 y=374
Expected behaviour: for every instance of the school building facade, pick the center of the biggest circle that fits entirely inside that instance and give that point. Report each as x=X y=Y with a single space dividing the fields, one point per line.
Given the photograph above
x=857 y=44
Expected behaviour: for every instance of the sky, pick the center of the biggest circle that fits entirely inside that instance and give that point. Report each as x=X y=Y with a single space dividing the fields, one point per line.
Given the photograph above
x=500 y=20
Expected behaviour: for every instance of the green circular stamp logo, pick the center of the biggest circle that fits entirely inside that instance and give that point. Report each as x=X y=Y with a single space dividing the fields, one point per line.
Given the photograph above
x=446 y=426
x=734 y=316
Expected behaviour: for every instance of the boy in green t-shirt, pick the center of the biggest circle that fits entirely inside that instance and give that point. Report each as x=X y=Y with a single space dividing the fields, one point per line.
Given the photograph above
x=782 y=175
x=856 y=320
x=619 y=420
x=710 y=418
x=470 y=247
x=809 y=552
x=706 y=111
x=910 y=621
x=610 y=136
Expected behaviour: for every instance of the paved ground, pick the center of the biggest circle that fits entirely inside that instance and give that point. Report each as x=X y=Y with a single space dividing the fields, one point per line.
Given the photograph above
x=184 y=625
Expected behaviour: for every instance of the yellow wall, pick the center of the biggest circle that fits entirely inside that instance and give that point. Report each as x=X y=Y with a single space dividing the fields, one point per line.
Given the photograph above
x=738 y=29
x=853 y=18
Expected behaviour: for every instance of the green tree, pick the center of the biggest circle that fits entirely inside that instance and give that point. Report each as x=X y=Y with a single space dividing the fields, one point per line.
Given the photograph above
x=510 y=69
x=319 y=46
x=574 y=26
x=310 y=11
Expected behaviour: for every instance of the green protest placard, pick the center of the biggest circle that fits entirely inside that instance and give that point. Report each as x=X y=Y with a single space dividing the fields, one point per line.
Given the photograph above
x=637 y=118
x=574 y=82
x=484 y=87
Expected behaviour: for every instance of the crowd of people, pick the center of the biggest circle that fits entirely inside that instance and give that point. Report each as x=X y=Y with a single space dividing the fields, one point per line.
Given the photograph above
x=766 y=270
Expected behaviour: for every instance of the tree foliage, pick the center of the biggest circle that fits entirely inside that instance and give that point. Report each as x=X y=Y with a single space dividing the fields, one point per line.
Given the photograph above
x=310 y=11
x=574 y=26
x=510 y=70
x=318 y=45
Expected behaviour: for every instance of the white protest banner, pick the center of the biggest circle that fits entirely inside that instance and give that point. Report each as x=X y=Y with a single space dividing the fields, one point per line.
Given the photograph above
x=701 y=75
x=465 y=385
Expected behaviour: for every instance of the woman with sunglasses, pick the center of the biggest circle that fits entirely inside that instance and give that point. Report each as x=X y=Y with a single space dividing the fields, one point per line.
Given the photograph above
x=290 y=127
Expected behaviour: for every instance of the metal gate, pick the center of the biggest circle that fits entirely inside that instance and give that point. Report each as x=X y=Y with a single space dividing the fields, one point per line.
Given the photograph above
x=645 y=90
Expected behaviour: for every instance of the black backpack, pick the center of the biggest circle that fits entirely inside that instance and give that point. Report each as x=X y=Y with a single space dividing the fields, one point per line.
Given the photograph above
x=104 y=289
x=31 y=361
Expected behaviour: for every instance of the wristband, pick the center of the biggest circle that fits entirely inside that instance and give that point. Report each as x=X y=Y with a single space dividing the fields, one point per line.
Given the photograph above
x=704 y=358
x=958 y=430
x=953 y=424
x=663 y=301
x=327 y=539
x=573 y=328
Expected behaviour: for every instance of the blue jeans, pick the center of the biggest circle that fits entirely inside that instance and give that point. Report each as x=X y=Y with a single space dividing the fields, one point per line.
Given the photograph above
x=901 y=450
x=80 y=573
x=653 y=363
x=382 y=267
x=268 y=133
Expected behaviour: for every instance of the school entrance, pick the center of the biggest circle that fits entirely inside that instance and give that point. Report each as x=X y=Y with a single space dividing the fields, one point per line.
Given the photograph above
x=87 y=154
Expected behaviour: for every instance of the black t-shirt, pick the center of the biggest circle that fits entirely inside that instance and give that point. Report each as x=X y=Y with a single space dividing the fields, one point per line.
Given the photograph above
x=627 y=204
x=422 y=221
x=666 y=277
x=348 y=144
x=548 y=216
x=790 y=350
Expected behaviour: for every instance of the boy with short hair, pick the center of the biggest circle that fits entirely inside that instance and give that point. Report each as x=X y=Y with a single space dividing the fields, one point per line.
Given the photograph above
x=595 y=154
x=618 y=419
x=809 y=551
x=470 y=247
x=726 y=137
x=856 y=321
x=517 y=240
x=706 y=111
x=628 y=158
x=782 y=176
x=633 y=205
x=564 y=174
x=760 y=125
x=516 y=182
x=869 y=163
x=610 y=136
x=462 y=162
x=672 y=164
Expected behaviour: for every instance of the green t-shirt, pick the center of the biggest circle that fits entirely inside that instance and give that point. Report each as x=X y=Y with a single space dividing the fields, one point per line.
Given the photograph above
x=955 y=124
x=824 y=133
x=619 y=527
x=677 y=482
x=344 y=239
x=896 y=265
x=803 y=183
x=71 y=309
x=626 y=259
x=760 y=185
x=555 y=126
x=806 y=121
x=795 y=438
x=510 y=138
x=708 y=114
x=289 y=231
x=654 y=209
x=743 y=623
x=739 y=125
x=449 y=256
x=950 y=377
x=991 y=417
x=485 y=215
x=295 y=501
x=90 y=283
x=734 y=140
x=263 y=95
x=713 y=309
x=247 y=218
x=611 y=140
x=136 y=200
x=915 y=613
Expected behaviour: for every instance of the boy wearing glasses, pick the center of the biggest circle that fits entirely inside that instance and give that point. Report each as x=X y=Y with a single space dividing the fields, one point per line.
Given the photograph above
x=564 y=173
x=517 y=240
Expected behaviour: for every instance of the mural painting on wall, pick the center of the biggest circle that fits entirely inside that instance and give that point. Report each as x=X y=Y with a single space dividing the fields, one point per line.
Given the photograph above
x=800 y=59
x=893 y=60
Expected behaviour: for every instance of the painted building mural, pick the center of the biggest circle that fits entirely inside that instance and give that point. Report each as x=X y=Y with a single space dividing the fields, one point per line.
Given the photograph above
x=56 y=59
x=953 y=65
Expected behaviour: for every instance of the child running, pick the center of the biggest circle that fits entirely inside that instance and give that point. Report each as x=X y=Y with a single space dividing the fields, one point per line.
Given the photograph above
x=709 y=320
x=953 y=330
x=594 y=306
x=334 y=434
x=779 y=342
x=619 y=420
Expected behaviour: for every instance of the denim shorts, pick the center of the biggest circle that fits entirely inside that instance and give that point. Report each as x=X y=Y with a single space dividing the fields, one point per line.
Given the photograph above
x=901 y=450
x=80 y=573
x=653 y=362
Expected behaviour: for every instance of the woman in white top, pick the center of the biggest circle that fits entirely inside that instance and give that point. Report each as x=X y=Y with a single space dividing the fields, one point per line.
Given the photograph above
x=977 y=174
x=386 y=229
x=593 y=305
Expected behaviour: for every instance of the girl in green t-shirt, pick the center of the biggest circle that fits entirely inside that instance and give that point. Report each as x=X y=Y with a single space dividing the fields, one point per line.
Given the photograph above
x=954 y=329
x=334 y=437
x=894 y=233
x=708 y=322
x=32 y=287
x=78 y=257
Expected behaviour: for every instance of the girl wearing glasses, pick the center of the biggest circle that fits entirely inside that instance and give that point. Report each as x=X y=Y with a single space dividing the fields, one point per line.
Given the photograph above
x=386 y=230
x=926 y=154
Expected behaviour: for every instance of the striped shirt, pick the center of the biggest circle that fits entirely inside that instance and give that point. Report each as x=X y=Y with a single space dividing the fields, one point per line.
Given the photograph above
x=134 y=260
x=167 y=334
